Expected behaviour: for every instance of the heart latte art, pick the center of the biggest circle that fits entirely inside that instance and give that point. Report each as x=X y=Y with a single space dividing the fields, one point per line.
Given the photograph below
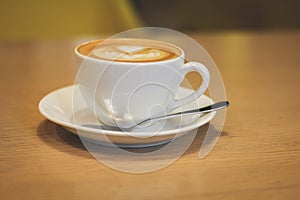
x=129 y=50
x=131 y=53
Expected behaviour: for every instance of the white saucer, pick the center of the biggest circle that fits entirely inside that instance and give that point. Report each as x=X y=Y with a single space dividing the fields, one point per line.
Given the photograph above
x=58 y=107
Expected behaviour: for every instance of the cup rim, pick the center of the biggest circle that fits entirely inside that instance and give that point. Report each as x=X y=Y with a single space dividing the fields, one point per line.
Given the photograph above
x=181 y=56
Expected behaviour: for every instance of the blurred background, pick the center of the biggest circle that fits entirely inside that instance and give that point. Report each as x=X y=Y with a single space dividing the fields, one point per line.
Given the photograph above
x=60 y=19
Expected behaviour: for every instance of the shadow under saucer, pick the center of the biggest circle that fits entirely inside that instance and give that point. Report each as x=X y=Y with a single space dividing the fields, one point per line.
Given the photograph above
x=64 y=141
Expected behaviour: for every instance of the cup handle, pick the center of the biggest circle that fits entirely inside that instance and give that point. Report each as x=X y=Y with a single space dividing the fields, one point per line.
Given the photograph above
x=203 y=71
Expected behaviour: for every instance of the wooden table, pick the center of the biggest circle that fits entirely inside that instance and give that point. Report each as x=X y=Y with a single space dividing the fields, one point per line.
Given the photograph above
x=256 y=157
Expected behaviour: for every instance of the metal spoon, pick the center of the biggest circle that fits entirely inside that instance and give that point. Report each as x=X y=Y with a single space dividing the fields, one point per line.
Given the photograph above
x=206 y=109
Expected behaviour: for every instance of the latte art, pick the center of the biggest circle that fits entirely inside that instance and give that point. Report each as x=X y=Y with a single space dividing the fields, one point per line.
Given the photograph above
x=129 y=50
x=131 y=53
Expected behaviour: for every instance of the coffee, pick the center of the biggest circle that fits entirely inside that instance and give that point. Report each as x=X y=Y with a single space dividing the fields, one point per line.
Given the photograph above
x=129 y=50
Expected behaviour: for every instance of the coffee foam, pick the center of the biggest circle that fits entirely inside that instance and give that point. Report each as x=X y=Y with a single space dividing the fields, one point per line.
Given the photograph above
x=122 y=50
x=130 y=53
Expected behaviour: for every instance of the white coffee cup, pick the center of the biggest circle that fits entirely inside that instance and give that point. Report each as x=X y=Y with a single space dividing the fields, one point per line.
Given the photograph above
x=121 y=92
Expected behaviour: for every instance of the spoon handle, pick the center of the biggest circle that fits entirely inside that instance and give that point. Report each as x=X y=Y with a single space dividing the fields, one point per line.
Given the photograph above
x=209 y=108
x=205 y=109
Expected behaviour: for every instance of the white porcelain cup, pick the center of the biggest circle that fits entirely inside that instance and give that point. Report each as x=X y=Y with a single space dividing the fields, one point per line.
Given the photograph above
x=122 y=93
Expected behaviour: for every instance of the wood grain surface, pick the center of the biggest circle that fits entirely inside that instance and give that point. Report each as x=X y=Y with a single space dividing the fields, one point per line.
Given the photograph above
x=256 y=157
